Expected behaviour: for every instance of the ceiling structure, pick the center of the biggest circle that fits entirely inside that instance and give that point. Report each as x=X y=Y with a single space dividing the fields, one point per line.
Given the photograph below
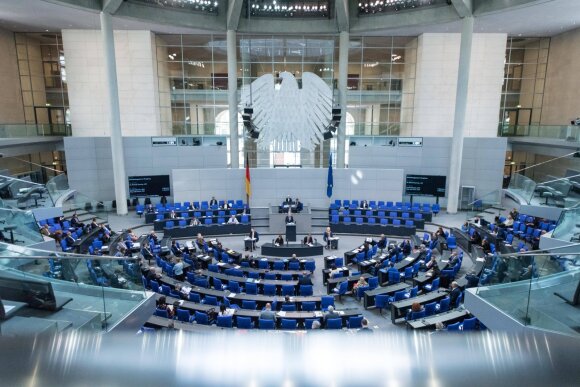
x=515 y=17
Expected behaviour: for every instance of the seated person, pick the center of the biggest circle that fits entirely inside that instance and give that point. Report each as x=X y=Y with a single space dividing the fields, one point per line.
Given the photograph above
x=131 y=236
x=472 y=280
x=175 y=250
x=361 y=282
x=415 y=307
x=440 y=233
x=224 y=311
x=299 y=205
x=454 y=293
x=153 y=237
x=44 y=230
x=279 y=241
x=485 y=246
x=331 y=314
x=382 y=243
x=150 y=209
x=70 y=240
x=75 y=222
x=334 y=270
x=233 y=220
x=432 y=267
x=293 y=258
x=94 y=224
x=213 y=201
x=509 y=221
x=161 y=303
x=146 y=251
x=268 y=314
x=288 y=200
x=476 y=238
x=172 y=215
x=287 y=301
x=364 y=204
x=453 y=259
x=106 y=233
x=406 y=247
x=194 y=222
x=477 y=220
x=326 y=237
x=527 y=273
x=305 y=279
x=465 y=227
x=366 y=247
x=289 y=218
x=191 y=207
x=308 y=240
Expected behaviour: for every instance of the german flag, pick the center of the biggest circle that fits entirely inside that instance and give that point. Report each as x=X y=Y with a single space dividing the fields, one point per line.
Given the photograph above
x=248 y=181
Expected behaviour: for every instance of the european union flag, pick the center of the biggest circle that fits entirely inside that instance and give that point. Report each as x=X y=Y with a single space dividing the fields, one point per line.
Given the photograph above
x=330 y=182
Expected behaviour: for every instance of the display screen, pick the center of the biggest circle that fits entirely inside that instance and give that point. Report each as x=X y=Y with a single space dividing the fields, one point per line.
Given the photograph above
x=149 y=186
x=425 y=185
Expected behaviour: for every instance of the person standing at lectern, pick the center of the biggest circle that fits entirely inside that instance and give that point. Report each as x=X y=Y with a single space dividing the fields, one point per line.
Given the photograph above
x=289 y=217
x=279 y=241
x=327 y=235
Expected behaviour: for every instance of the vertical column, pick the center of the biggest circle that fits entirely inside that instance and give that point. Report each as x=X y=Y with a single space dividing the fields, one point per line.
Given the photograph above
x=344 y=44
x=233 y=97
x=119 y=173
x=460 y=110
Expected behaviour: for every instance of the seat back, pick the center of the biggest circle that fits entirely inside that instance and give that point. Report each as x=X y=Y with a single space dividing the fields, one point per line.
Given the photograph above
x=288 y=324
x=244 y=322
x=289 y=308
x=201 y=318
x=306 y=290
x=469 y=324
x=183 y=315
x=334 y=323
x=308 y=306
x=326 y=301
x=266 y=324
x=224 y=321
x=430 y=308
x=269 y=289
x=249 y=304
x=355 y=322
x=251 y=288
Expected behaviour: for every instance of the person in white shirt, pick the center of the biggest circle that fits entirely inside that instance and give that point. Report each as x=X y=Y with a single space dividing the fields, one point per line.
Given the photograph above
x=233 y=220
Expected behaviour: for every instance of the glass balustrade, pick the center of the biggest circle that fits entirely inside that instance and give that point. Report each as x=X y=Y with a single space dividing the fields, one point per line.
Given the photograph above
x=98 y=291
x=19 y=227
x=536 y=288
x=522 y=186
x=33 y=130
x=23 y=194
x=568 y=226
x=569 y=133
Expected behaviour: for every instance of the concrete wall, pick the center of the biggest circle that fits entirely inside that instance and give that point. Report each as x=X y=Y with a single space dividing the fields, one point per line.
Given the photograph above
x=11 y=109
x=271 y=186
x=482 y=165
x=90 y=166
x=137 y=80
x=560 y=103
x=436 y=84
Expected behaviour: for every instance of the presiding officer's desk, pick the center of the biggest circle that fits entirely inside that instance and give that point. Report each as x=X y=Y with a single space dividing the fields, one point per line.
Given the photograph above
x=445 y=318
x=334 y=282
x=287 y=250
x=399 y=309
x=206 y=230
x=369 y=295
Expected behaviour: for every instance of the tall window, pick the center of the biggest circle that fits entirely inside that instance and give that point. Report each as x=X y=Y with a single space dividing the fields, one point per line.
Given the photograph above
x=381 y=84
x=42 y=68
x=524 y=77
